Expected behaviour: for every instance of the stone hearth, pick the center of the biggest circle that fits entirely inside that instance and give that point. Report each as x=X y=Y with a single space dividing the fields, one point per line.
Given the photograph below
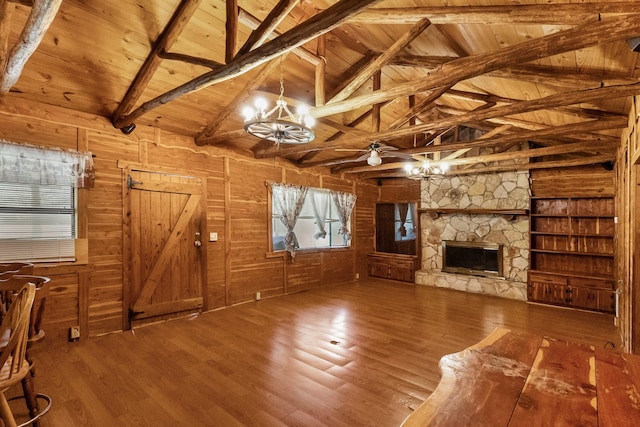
x=509 y=190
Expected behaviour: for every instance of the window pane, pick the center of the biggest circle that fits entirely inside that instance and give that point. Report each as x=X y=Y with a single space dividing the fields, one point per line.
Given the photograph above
x=306 y=227
x=37 y=222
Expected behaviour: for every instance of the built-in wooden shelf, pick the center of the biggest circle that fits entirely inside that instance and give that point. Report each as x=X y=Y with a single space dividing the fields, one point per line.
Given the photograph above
x=507 y=213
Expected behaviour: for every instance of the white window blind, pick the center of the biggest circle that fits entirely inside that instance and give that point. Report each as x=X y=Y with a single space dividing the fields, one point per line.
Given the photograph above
x=37 y=222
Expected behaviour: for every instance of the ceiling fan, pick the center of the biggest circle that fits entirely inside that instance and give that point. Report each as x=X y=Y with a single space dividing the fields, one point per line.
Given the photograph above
x=375 y=152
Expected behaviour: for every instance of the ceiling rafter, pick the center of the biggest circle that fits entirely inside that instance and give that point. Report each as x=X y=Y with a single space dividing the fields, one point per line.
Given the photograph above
x=548 y=102
x=556 y=14
x=12 y=61
x=318 y=24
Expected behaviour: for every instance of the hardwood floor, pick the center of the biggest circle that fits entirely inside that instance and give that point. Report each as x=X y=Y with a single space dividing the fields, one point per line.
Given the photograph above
x=350 y=355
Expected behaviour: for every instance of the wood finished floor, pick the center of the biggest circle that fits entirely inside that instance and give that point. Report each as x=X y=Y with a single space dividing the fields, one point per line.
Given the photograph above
x=363 y=354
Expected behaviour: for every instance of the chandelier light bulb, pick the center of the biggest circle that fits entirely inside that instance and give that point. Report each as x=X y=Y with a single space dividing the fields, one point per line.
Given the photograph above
x=425 y=170
x=261 y=104
x=248 y=113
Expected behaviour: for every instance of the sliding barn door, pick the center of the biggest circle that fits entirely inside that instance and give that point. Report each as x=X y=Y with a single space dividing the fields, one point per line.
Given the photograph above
x=166 y=266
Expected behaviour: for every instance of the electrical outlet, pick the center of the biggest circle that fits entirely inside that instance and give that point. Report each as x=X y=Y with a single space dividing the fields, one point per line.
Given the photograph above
x=74 y=333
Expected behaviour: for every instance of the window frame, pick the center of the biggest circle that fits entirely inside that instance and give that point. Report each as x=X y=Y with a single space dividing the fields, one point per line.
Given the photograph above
x=272 y=252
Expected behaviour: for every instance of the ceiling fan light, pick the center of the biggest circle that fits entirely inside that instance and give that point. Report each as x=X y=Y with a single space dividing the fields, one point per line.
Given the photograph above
x=374 y=159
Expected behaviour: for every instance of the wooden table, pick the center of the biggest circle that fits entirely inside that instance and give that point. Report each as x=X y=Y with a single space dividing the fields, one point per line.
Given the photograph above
x=517 y=379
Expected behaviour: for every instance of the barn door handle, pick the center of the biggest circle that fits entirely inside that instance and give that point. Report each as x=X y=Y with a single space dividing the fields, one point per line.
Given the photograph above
x=197 y=242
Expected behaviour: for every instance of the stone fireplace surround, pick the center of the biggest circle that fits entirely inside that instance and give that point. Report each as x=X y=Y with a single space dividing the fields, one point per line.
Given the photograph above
x=476 y=193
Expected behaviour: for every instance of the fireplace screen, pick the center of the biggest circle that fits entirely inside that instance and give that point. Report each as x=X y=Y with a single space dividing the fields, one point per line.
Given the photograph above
x=475 y=258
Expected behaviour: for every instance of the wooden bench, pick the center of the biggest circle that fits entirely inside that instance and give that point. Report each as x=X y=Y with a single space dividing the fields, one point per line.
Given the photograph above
x=519 y=379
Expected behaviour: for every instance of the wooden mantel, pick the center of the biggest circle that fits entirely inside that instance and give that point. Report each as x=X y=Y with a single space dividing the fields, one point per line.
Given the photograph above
x=507 y=213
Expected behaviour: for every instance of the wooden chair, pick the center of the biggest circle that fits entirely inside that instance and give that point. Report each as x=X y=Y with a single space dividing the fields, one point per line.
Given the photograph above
x=8 y=289
x=14 y=332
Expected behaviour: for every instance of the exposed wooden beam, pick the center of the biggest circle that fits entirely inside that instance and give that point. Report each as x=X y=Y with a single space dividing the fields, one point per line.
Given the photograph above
x=163 y=43
x=376 y=64
x=321 y=51
x=42 y=15
x=550 y=14
x=252 y=22
x=504 y=167
x=207 y=135
x=231 y=29
x=6 y=11
x=203 y=62
x=579 y=37
x=268 y=26
x=318 y=24
x=548 y=75
x=551 y=101
x=417 y=109
x=578 y=147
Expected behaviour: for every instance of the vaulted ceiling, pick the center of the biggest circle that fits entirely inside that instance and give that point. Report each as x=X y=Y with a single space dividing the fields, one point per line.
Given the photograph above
x=538 y=83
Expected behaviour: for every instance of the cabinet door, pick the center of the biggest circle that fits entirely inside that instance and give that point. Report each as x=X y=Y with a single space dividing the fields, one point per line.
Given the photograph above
x=378 y=269
x=402 y=273
x=593 y=299
x=548 y=292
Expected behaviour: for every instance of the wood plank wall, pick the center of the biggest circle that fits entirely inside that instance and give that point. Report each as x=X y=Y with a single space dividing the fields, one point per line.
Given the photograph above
x=628 y=230
x=237 y=207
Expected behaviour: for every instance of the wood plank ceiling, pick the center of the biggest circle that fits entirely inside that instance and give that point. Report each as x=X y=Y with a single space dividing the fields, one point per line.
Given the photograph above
x=485 y=84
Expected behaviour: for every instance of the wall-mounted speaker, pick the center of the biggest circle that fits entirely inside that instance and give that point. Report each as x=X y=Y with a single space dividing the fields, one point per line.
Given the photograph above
x=634 y=44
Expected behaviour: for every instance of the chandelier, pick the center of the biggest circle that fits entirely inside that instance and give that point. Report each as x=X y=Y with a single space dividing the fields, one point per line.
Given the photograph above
x=279 y=124
x=425 y=170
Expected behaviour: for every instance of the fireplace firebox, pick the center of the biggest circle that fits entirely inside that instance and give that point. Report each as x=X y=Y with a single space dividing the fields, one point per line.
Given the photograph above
x=473 y=258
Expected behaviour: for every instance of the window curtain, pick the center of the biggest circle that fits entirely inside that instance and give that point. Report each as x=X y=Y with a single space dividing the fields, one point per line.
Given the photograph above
x=28 y=164
x=403 y=209
x=288 y=201
x=344 y=203
x=414 y=217
x=320 y=201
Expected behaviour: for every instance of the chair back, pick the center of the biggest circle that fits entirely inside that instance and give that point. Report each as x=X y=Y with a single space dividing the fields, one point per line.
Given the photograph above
x=15 y=329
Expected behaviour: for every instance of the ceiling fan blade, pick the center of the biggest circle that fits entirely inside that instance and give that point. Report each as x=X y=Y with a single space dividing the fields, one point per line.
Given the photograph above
x=365 y=156
x=349 y=149
x=399 y=155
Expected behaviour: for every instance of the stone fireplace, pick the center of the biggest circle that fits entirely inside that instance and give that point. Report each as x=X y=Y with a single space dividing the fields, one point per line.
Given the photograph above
x=468 y=208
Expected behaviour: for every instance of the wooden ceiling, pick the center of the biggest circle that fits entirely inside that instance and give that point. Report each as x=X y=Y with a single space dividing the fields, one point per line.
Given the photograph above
x=485 y=84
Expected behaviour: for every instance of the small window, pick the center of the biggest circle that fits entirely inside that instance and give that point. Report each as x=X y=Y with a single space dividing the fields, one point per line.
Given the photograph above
x=318 y=225
x=37 y=222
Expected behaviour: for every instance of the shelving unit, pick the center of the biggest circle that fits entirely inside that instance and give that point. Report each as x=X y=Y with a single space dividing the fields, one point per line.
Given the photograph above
x=572 y=252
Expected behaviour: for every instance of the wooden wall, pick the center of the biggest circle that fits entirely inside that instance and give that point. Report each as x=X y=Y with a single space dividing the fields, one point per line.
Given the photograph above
x=628 y=231
x=238 y=264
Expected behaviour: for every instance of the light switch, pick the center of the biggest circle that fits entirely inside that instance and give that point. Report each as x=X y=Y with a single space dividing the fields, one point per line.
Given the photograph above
x=213 y=236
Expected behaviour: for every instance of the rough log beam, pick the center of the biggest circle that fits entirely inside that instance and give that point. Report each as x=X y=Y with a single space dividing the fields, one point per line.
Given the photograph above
x=167 y=38
x=317 y=25
x=203 y=62
x=580 y=37
x=578 y=147
x=494 y=99
x=526 y=125
x=231 y=30
x=207 y=134
x=589 y=160
x=549 y=14
x=594 y=125
x=252 y=22
x=377 y=63
x=42 y=14
x=417 y=109
x=6 y=10
x=554 y=76
x=266 y=28
x=551 y=101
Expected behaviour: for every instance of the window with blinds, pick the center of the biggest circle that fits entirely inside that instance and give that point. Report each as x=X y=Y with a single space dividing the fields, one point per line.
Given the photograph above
x=37 y=222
